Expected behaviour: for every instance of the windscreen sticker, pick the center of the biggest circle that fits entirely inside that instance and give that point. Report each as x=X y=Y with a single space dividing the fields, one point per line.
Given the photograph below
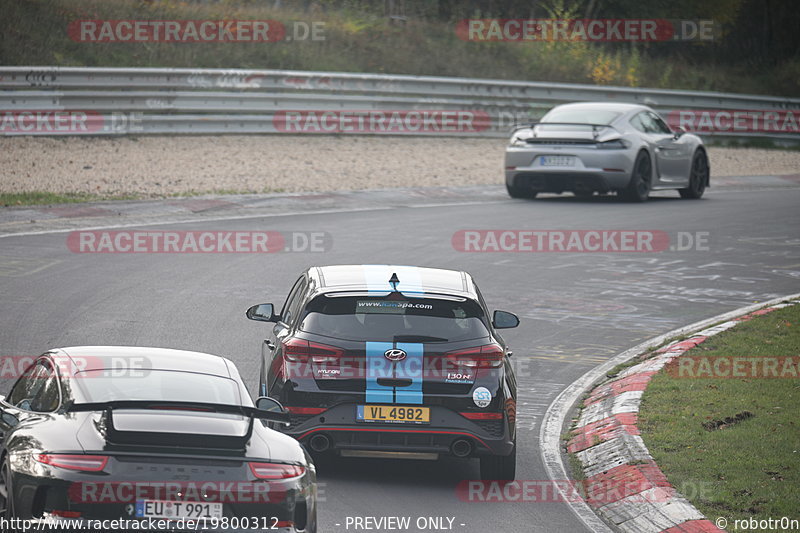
x=388 y=306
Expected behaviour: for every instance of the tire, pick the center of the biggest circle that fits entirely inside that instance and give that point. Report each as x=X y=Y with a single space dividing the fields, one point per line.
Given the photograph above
x=499 y=467
x=698 y=177
x=518 y=192
x=639 y=187
x=583 y=194
x=6 y=496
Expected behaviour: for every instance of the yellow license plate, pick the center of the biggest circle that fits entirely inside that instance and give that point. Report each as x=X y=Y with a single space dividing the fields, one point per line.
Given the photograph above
x=393 y=414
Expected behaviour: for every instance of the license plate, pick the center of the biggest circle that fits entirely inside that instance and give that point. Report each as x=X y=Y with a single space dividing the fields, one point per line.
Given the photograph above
x=177 y=510
x=557 y=161
x=393 y=414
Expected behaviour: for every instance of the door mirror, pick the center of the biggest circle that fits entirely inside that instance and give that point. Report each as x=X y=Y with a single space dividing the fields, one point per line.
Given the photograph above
x=678 y=131
x=504 y=320
x=277 y=412
x=262 y=313
x=9 y=419
x=271 y=405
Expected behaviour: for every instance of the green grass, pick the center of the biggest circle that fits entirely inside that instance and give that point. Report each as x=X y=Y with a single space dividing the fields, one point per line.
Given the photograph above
x=746 y=469
x=40 y=197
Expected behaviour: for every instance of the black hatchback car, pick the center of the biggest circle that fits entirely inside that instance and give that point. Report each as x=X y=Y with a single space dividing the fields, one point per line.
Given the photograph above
x=393 y=361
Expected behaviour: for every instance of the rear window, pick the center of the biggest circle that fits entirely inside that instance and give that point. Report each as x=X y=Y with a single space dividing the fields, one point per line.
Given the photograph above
x=401 y=320
x=581 y=116
x=146 y=384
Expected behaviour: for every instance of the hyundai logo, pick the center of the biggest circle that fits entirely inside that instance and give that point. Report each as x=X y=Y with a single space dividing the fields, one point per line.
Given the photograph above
x=395 y=354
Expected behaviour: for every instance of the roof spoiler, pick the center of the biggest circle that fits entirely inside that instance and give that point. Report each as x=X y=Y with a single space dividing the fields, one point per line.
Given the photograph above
x=164 y=438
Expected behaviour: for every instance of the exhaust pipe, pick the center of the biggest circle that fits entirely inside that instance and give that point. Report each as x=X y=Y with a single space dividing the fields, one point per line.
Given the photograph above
x=461 y=448
x=319 y=443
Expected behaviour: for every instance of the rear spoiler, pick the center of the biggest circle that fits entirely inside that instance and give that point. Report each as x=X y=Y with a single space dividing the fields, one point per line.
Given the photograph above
x=164 y=438
x=595 y=127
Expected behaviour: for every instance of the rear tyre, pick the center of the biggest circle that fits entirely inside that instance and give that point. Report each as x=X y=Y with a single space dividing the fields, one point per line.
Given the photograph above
x=638 y=189
x=698 y=177
x=518 y=192
x=6 y=493
x=499 y=467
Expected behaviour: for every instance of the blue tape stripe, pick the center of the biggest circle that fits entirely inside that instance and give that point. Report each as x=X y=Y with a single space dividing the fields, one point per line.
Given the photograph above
x=410 y=368
x=378 y=367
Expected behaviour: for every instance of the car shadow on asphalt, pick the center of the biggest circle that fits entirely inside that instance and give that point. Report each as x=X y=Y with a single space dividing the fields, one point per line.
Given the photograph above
x=445 y=472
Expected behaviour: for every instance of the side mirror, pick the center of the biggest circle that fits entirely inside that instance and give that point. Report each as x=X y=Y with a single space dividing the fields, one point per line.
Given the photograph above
x=271 y=405
x=504 y=320
x=9 y=419
x=678 y=131
x=262 y=313
x=278 y=413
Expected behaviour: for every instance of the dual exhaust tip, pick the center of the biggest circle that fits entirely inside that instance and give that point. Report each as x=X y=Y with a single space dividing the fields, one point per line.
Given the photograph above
x=320 y=443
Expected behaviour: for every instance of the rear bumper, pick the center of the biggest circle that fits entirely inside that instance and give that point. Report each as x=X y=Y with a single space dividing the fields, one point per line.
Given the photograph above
x=338 y=426
x=560 y=181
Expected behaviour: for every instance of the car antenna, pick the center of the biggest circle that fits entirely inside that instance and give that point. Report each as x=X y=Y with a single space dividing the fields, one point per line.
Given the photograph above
x=393 y=281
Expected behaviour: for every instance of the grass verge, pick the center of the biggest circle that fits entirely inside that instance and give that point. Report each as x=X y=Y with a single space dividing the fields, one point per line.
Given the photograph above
x=732 y=445
x=43 y=198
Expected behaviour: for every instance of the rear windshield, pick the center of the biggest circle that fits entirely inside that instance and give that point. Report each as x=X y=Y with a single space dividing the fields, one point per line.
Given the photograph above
x=147 y=384
x=401 y=320
x=581 y=116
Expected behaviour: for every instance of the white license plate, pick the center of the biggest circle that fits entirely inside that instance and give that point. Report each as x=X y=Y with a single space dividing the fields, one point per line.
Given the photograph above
x=557 y=161
x=176 y=510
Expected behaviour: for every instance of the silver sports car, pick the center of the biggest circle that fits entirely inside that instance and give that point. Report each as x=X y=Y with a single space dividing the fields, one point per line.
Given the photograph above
x=602 y=147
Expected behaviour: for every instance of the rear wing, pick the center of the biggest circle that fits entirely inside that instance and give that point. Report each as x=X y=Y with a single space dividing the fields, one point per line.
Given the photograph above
x=115 y=435
x=595 y=127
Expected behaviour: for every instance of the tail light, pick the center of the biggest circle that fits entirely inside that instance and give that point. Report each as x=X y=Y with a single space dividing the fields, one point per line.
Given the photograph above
x=83 y=463
x=482 y=416
x=301 y=351
x=276 y=471
x=305 y=410
x=486 y=356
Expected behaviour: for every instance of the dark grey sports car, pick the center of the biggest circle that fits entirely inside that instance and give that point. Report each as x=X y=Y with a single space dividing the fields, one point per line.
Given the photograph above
x=166 y=437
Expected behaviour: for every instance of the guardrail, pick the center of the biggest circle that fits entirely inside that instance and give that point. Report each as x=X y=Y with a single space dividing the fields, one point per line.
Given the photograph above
x=114 y=101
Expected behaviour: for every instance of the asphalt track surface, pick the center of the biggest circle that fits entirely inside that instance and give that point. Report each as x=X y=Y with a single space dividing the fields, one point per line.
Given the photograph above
x=577 y=309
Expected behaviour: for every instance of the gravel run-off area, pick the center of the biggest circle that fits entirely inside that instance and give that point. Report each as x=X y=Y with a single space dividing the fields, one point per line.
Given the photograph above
x=159 y=166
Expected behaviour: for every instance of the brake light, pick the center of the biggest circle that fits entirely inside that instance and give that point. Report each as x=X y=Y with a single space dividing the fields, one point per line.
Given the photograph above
x=276 y=470
x=83 y=463
x=486 y=356
x=305 y=410
x=482 y=416
x=300 y=351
